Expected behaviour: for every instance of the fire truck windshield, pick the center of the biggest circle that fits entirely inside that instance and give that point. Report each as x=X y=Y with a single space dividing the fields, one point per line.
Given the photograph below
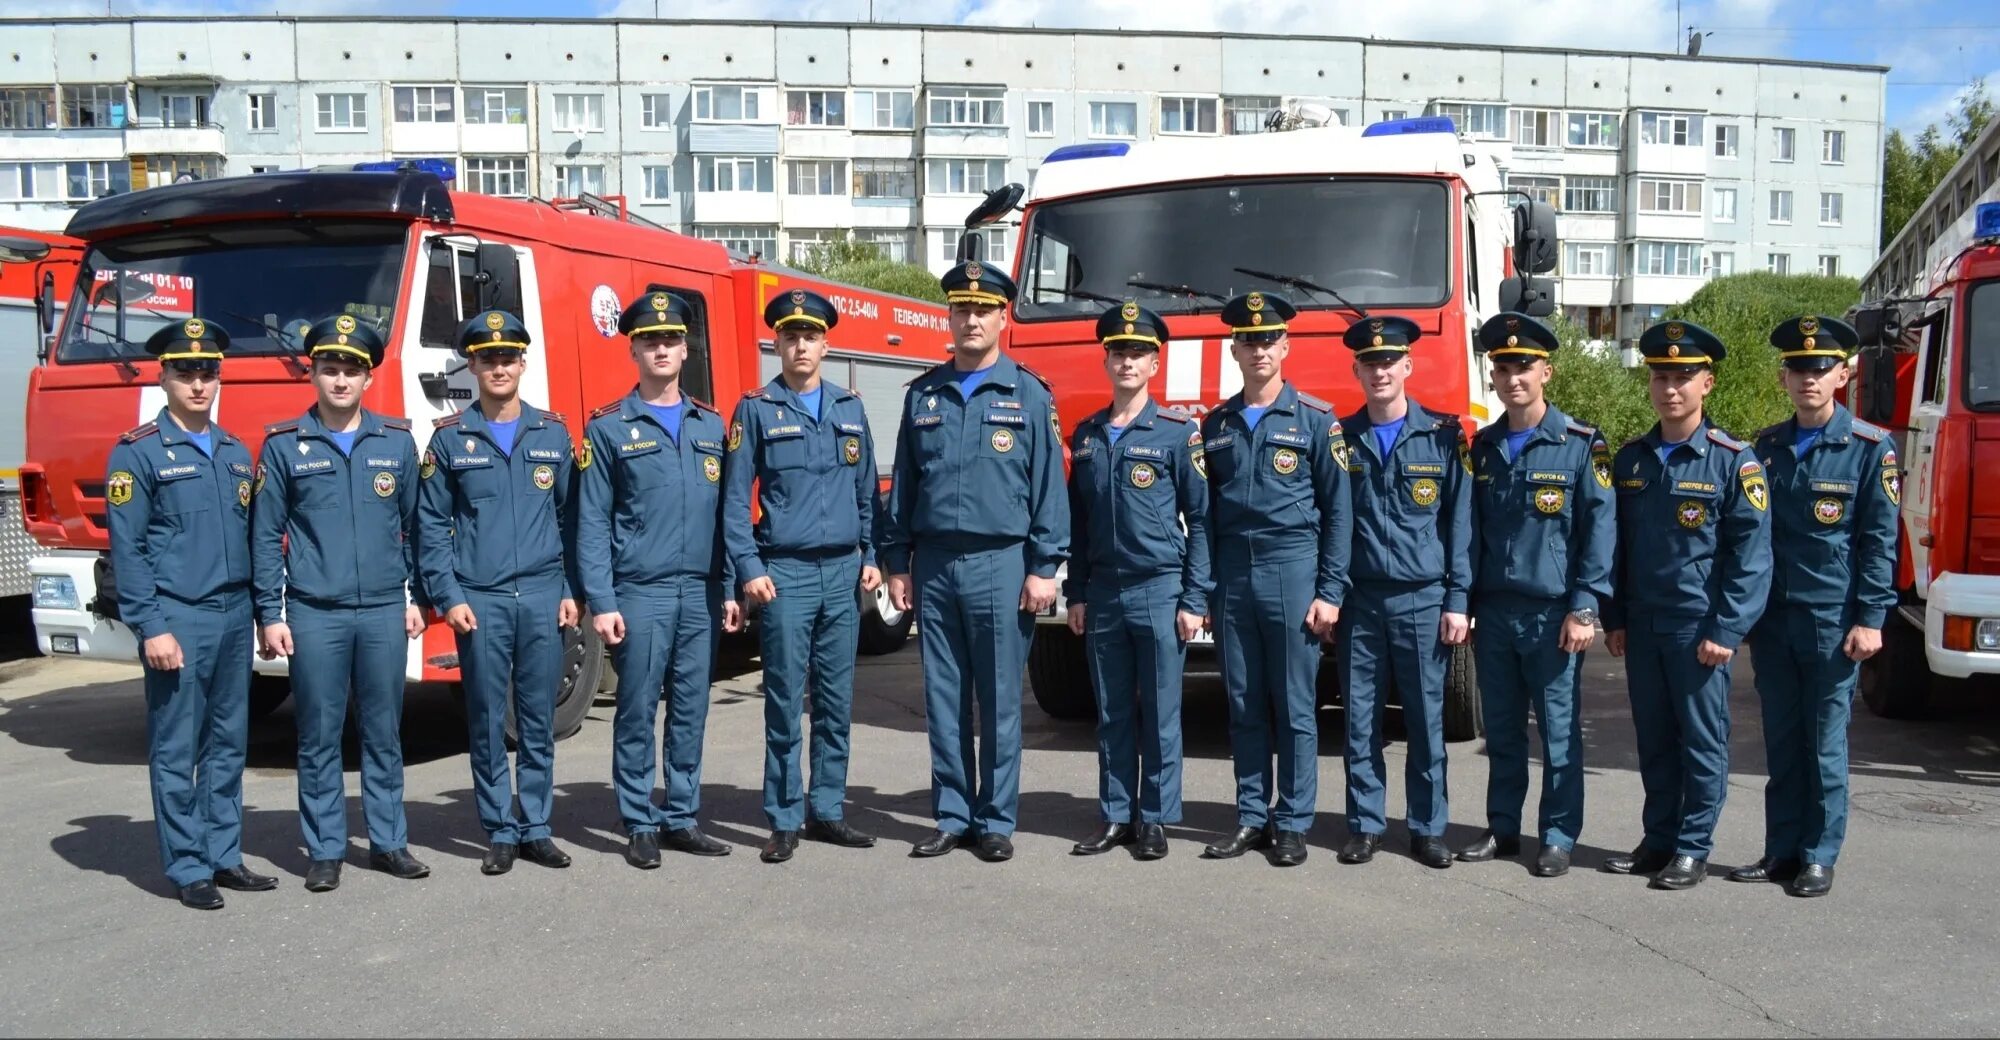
x=1982 y=346
x=260 y=282
x=1376 y=241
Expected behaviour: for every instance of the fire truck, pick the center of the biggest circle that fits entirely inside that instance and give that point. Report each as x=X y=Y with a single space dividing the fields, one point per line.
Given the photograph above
x=28 y=261
x=393 y=245
x=1399 y=218
x=1929 y=370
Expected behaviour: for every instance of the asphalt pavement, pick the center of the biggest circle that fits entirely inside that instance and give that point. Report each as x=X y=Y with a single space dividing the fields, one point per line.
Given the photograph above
x=847 y=942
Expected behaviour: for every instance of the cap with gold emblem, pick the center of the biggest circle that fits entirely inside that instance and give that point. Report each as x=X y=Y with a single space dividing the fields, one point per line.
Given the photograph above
x=1513 y=336
x=491 y=331
x=1256 y=317
x=657 y=313
x=1813 y=342
x=976 y=281
x=190 y=344
x=1381 y=339
x=1680 y=344
x=1129 y=326
x=344 y=336
x=802 y=307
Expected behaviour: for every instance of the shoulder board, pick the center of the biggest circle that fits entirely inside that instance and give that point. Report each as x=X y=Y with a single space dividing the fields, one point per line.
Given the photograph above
x=1772 y=430
x=1584 y=430
x=1869 y=432
x=759 y=392
x=555 y=416
x=702 y=405
x=1175 y=415
x=286 y=427
x=449 y=420
x=396 y=422
x=1037 y=376
x=609 y=409
x=1315 y=403
x=1724 y=439
x=139 y=433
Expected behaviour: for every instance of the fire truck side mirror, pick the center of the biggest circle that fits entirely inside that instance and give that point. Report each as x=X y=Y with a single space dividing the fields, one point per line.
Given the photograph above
x=45 y=303
x=1535 y=297
x=997 y=204
x=1535 y=238
x=1875 y=378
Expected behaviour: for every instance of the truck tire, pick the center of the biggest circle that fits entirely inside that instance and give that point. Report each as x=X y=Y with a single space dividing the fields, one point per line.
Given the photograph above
x=576 y=688
x=884 y=629
x=1059 y=673
x=1462 y=718
x=1896 y=683
x=267 y=692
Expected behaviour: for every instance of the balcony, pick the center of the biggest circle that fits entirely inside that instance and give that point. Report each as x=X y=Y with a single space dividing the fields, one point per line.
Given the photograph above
x=177 y=137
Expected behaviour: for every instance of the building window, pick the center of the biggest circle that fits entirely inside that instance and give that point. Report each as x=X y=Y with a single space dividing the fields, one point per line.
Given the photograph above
x=496 y=106
x=24 y=181
x=1533 y=127
x=1114 y=119
x=426 y=105
x=964 y=176
x=1833 y=147
x=1669 y=197
x=343 y=112
x=892 y=243
x=1592 y=130
x=1719 y=265
x=885 y=179
x=93 y=105
x=496 y=175
x=94 y=180
x=1832 y=207
x=656 y=111
x=1246 y=115
x=1723 y=205
x=1829 y=265
x=1787 y=141
x=724 y=104
x=815 y=108
x=816 y=177
x=1186 y=115
x=992 y=248
x=1725 y=140
x=1670 y=259
x=1488 y=121
x=575 y=180
x=579 y=112
x=78 y=181
x=967 y=106
x=758 y=240
x=1590 y=195
x=1541 y=189
x=1781 y=207
x=1392 y=114
x=183 y=111
x=1671 y=128
x=1589 y=260
x=879 y=109
x=263 y=169
x=179 y=169
x=656 y=183
x=802 y=244
x=1041 y=119
x=1778 y=263
x=738 y=173
x=263 y=111
x=27 y=108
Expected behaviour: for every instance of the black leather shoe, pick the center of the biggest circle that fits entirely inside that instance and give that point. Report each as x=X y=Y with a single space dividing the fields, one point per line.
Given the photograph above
x=1641 y=860
x=1430 y=851
x=1767 y=869
x=323 y=875
x=499 y=858
x=838 y=832
x=1245 y=839
x=1813 y=880
x=1109 y=836
x=995 y=848
x=642 y=850
x=1488 y=846
x=1682 y=872
x=1360 y=848
x=1152 y=842
x=939 y=843
x=201 y=896
x=1553 y=862
x=691 y=840
x=399 y=863
x=1291 y=849
x=544 y=852
x=780 y=847
x=242 y=879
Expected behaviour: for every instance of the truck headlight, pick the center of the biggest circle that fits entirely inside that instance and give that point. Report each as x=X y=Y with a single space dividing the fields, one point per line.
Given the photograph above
x=1987 y=636
x=56 y=592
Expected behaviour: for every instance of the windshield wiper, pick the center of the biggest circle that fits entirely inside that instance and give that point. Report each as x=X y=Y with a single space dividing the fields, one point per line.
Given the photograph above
x=1079 y=294
x=118 y=343
x=280 y=336
x=1300 y=283
x=1177 y=290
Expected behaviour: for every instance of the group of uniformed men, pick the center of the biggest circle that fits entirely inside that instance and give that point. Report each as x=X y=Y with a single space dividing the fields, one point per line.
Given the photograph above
x=1270 y=522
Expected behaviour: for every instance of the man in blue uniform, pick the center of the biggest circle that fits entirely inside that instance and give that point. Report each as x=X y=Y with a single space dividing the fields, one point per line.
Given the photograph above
x=332 y=548
x=1835 y=489
x=1412 y=570
x=179 y=489
x=1693 y=567
x=977 y=509
x=1281 y=522
x=805 y=443
x=1547 y=524
x=649 y=544
x=1138 y=583
x=490 y=516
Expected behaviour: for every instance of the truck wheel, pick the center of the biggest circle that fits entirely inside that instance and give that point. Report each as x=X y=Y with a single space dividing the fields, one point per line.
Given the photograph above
x=267 y=692
x=1462 y=718
x=1896 y=683
x=1059 y=673
x=884 y=629
x=576 y=689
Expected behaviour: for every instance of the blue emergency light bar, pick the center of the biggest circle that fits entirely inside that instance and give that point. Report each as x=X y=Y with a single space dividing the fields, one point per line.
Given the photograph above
x=1088 y=151
x=1986 y=220
x=444 y=169
x=1419 y=125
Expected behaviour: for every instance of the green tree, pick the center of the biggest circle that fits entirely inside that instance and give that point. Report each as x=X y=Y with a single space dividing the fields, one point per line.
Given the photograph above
x=1597 y=388
x=1911 y=171
x=1741 y=310
x=861 y=263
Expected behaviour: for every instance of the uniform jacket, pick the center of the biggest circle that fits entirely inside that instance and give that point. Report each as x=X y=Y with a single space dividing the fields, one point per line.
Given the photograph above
x=180 y=521
x=1413 y=509
x=1833 y=516
x=649 y=507
x=1546 y=523
x=806 y=470
x=1278 y=489
x=493 y=522
x=1128 y=501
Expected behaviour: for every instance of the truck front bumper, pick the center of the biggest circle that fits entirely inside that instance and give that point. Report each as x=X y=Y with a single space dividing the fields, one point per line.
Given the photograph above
x=1975 y=596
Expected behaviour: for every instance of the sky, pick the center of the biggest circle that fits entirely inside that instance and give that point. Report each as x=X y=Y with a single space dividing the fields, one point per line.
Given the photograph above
x=1933 y=47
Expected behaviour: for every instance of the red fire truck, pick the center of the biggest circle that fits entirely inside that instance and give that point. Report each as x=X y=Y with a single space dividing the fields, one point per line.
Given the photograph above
x=263 y=254
x=1401 y=218
x=1929 y=370
x=29 y=260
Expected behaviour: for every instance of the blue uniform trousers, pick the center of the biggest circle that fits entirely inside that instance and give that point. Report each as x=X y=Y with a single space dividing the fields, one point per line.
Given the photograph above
x=1270 y=668
x=808 y=635
x=1521 y=666
x=1389 y=636
x=338 y=650
x=669 y=649
x=1806 y=686
x=515 y=652
x=1136 y=658
x=1680 y=717
x=197 y=726
x=974 y=640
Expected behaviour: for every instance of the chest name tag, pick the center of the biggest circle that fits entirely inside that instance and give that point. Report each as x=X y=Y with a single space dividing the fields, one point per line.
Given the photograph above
x=1003 y=404
x=774 y=432
x=240 y=469
x=1223 y=441
x=544 y=455
x=1838 y=487
x=1010 y=418
x=927 y=420
x=848 y=427
x=638 y=447
x=1139 y=452
x=1426 y=468
x=310 y=466
x=1696 y=486
x=1548 y=477
x=1297 y=440
x=712 y=447
x=470 y=461
x=180 y=472
x=384 y=463
x=1631 y=485
x=1084 y=453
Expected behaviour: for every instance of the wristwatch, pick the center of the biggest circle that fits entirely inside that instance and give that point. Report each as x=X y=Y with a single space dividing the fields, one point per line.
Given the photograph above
x=1585 y=616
